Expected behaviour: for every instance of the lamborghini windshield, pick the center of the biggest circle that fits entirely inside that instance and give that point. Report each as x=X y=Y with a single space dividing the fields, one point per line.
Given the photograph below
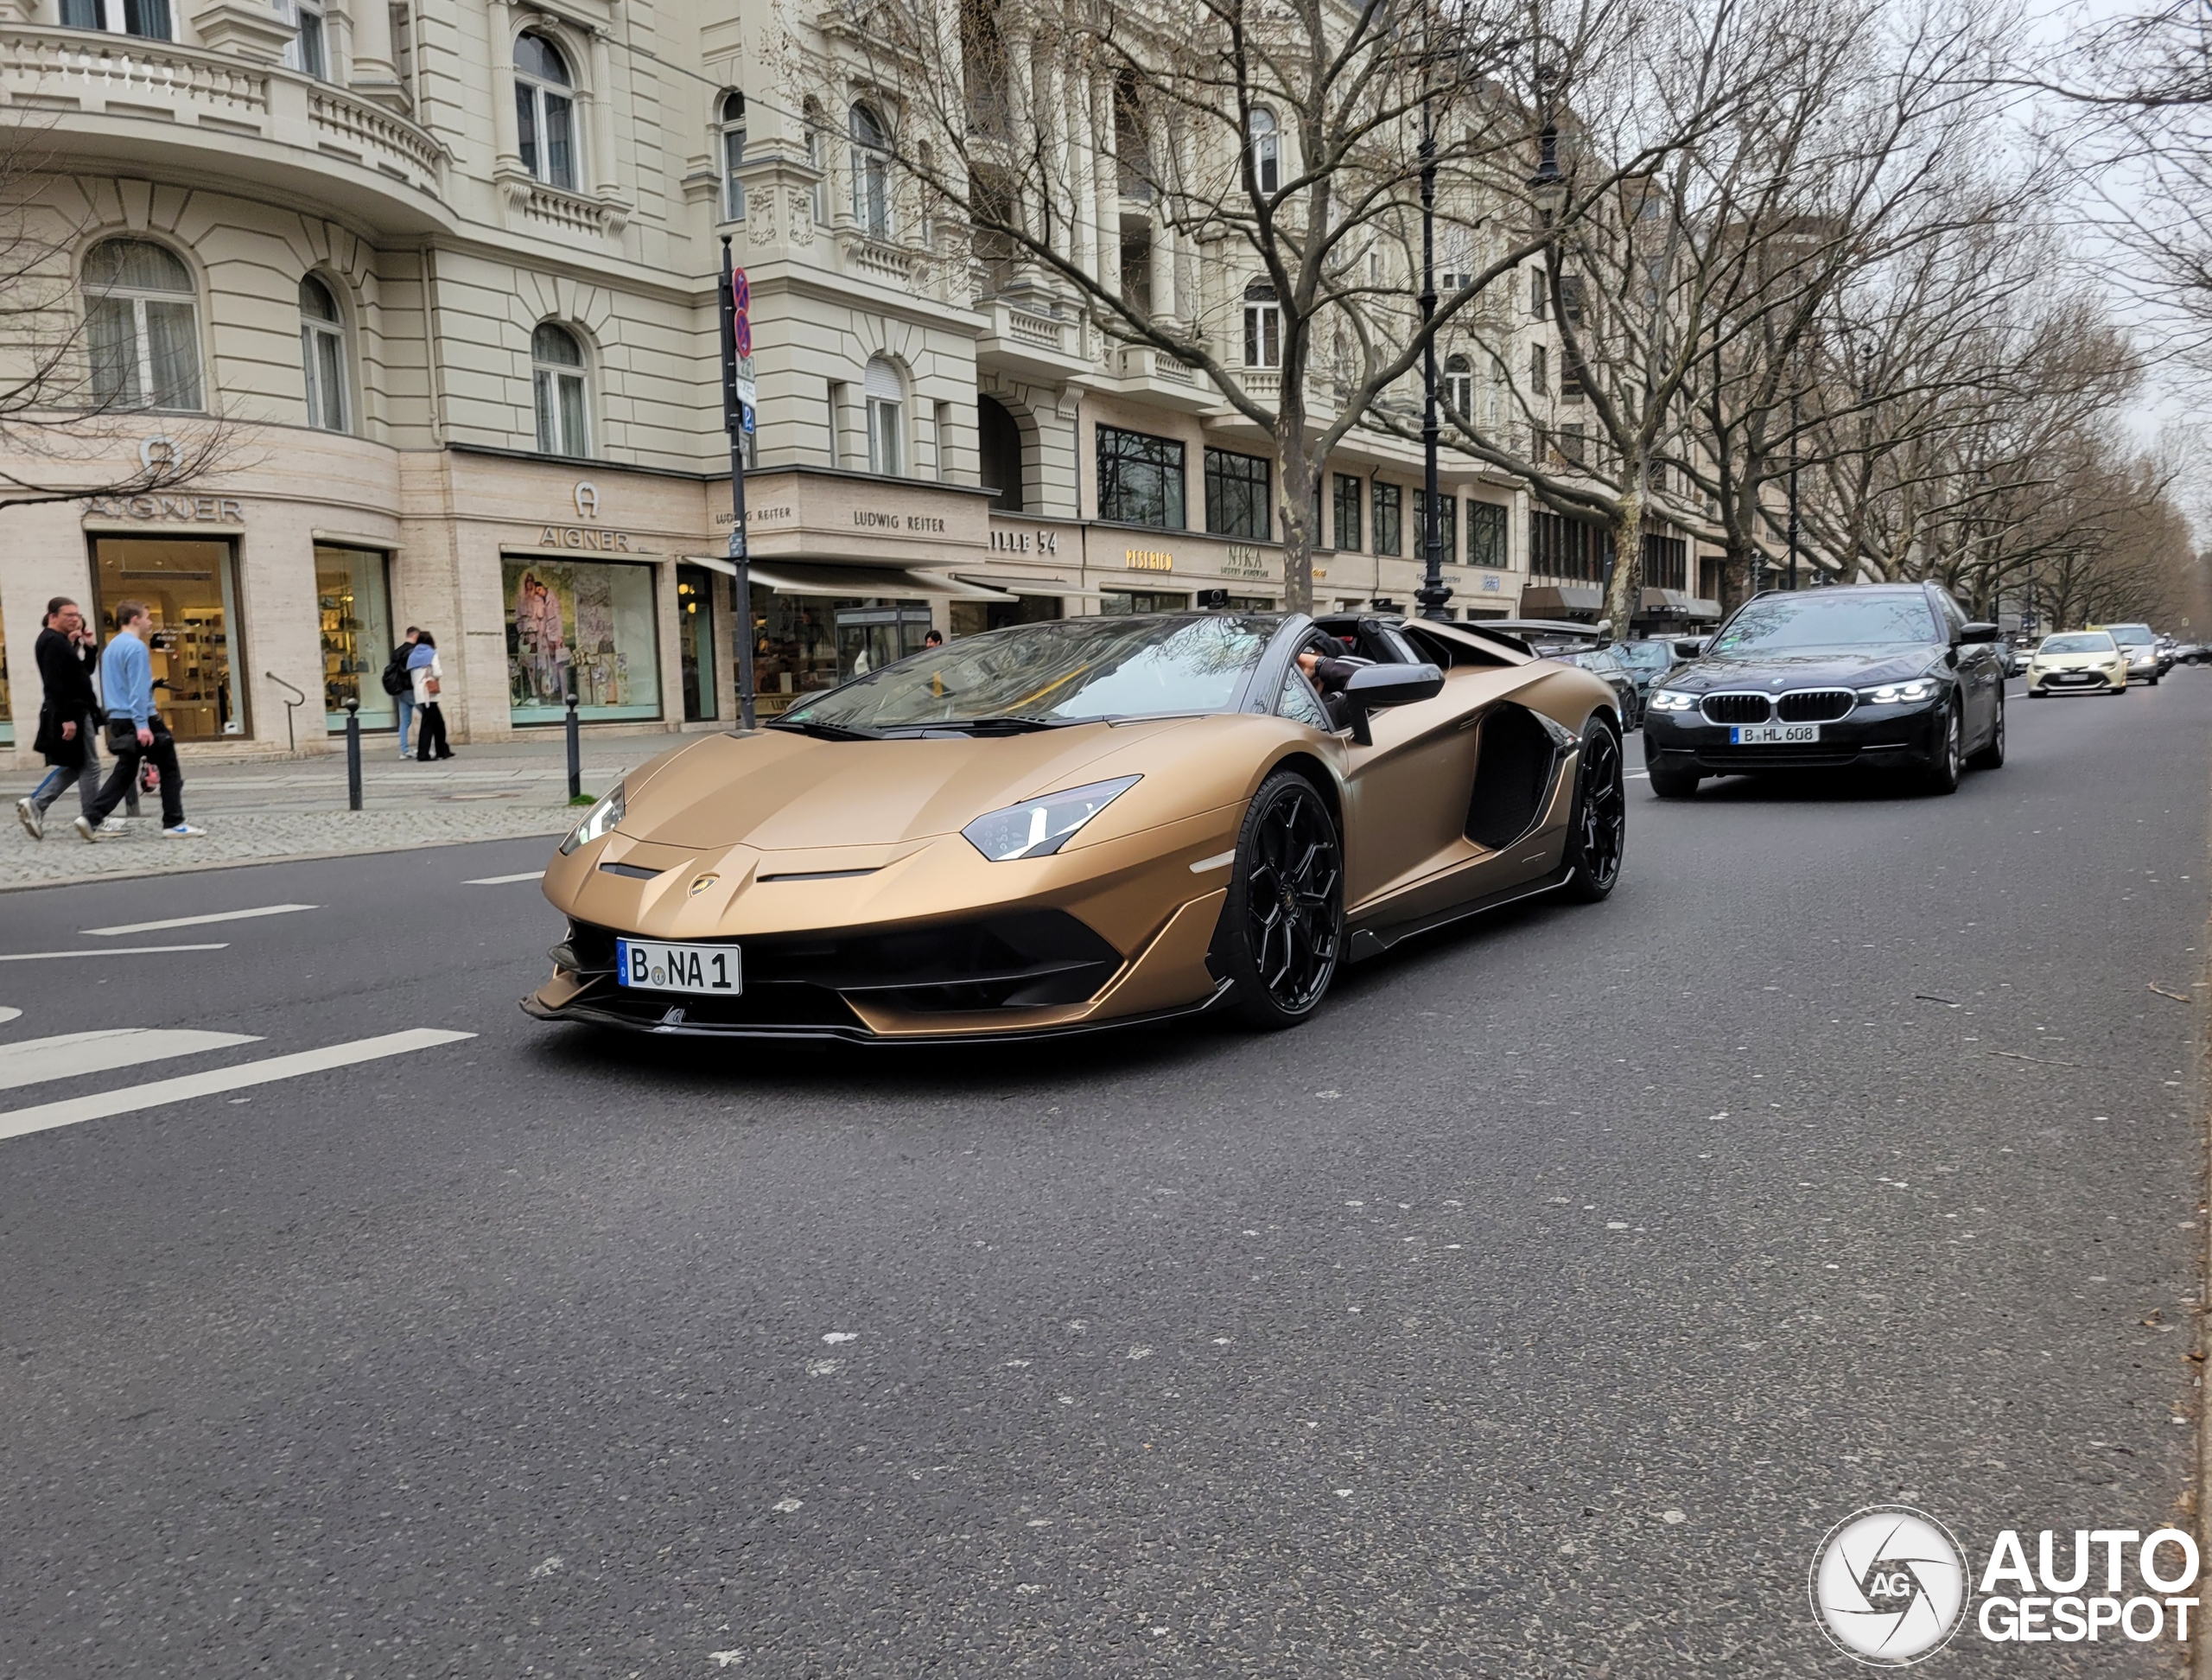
x=1039 y=676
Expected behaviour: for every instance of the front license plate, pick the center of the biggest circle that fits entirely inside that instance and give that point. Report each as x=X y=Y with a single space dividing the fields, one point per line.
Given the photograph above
x=1773 y=735
x=652 y=966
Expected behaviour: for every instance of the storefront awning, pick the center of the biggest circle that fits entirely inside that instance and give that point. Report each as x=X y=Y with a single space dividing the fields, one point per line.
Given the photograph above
x=796 y=578
x=1559 y=601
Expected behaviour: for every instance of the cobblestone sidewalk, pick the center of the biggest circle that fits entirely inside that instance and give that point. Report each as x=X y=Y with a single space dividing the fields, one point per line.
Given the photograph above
x=296 y=808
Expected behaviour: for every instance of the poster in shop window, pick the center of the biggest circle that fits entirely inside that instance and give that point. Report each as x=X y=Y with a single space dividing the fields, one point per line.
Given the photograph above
x=585 y=626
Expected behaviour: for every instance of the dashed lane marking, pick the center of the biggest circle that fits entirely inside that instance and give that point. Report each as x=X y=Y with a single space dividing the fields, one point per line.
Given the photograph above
x=30 y=1061
x=20 y=1122
x=109 y=950
x=503 y=880
x=201 y=921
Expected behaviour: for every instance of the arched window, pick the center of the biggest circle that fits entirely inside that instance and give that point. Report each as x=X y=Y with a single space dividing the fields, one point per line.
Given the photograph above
x=556 y=375
x=886 y=416
x=733 y=127
x=322 y=352
x=1262 y=325
x=871 y=174
x=1267 y=151
x=149 y=18
x=1460 y=386
x=545 y=110
x=142 y=326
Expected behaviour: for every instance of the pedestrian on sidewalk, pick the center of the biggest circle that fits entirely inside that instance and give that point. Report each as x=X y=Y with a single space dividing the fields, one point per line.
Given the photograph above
x=68 y=716
x=401 y=687
x=430 y=675
x=136 y=733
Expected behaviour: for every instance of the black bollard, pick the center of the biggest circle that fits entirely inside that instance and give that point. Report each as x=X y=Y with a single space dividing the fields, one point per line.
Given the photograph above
x=576 y=755
x=353 y=754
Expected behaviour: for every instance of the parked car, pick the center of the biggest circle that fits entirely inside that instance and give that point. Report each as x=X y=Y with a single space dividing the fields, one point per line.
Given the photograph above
x=1880 y=675
x=2190 y=653
x=2016 y=655
x=1606 y=662
x=2140 y=643
x=2169 y=652
x=1548 y=638
x=1648 y=659
x=2078 y=662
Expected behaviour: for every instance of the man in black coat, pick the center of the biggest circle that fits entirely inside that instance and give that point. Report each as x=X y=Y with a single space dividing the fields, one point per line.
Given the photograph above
x=68 y=716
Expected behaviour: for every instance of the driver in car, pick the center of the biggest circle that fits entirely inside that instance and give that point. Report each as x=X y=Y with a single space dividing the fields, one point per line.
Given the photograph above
x=1328 y=675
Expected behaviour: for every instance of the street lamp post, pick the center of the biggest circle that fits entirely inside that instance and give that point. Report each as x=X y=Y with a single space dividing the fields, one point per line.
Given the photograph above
x=1433 y=593
x=1793 y=491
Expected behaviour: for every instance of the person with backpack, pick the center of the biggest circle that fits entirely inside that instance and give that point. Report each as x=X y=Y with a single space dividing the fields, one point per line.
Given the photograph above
x=401 y=687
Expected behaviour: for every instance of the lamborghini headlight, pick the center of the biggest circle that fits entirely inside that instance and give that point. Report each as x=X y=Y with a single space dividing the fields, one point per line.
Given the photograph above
x=1039 y=827
x=599 y=822
x=1673 y=700
x=1891 y=694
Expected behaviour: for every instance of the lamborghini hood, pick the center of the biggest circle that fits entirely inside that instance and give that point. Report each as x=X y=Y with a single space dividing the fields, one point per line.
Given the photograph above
x=782 y=790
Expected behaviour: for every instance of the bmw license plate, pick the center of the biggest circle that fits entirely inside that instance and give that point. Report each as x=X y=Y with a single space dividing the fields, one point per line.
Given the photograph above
x=1773 y=735
x=652 y=966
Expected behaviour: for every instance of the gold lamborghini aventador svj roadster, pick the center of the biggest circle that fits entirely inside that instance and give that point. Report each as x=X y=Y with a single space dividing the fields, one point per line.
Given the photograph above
x=1087 y=823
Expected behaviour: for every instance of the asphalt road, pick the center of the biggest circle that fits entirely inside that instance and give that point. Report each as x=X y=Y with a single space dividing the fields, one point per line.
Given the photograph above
x=1534 y=1312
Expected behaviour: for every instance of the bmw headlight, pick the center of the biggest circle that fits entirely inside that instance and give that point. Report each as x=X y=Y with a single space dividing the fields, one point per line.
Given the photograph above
x=1673 y=700
x=599 y=822
x=1039 y=827
x=1891 y=694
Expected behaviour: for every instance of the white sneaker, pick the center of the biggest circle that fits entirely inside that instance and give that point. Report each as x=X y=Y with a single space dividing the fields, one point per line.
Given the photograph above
x=33 y=819
x=85 y=828
x=182 y=831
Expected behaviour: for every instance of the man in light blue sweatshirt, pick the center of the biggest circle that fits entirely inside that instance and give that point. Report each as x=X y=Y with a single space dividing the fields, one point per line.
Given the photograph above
x=127 y=686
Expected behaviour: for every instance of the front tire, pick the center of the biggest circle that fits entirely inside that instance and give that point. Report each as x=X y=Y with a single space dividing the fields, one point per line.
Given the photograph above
x=1597 y=829
x=1991 y=757
x=1283 y=925
x=1941 y=775
x=1673 y=784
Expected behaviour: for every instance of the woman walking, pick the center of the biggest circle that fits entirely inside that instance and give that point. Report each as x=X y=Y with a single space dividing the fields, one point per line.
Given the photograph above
x=428 y=674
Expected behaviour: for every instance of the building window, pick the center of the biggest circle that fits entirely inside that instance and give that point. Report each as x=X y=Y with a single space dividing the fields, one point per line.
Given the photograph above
x=1666 y=562
x=557 y=380
x=1539 y=369
x=545 y=110
x=198 y=649
x=1390 y=520
x=1347 y=496
x=1262 y=325
x=1120 y=603
x=584 y=628
x=323 y=355
x=871 y=174
x=1139 y=479
x=811 y=118
x=353 y=596
x=1486 y=535
x=310 y=49
x=141 y=327
x=732 y=138
x=1460 y=386
x=1537 y=294
x=1266 y=152
x=1447 y=526
x=149 y=18
x=1236 y=494
x=886 y=425
x=695 y=640
x=1570 y=548
x=998 y=436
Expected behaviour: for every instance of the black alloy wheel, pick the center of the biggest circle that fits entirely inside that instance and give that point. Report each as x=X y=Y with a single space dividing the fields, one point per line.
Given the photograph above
x=1941 y=772
x=1597 y=831
x=1991 y=757
x=1284 y=919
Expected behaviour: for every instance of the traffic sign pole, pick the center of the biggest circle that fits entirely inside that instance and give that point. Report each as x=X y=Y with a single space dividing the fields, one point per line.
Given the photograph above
x=737 y=342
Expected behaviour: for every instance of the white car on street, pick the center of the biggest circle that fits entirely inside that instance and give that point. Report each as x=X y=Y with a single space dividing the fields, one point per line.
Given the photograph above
x=2077 y=662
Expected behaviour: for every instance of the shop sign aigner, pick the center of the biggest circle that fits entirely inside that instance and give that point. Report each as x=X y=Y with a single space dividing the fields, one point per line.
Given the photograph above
x=589 y=538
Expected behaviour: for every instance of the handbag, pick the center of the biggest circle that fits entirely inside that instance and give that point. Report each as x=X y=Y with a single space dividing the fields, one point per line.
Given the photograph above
x=430 y=687
x=122 y=736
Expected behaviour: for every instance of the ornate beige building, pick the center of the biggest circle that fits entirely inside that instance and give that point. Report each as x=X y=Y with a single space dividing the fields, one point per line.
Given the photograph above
x=447 y=270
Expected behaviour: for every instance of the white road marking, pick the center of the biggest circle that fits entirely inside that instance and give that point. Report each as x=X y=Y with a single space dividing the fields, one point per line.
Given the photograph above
x=1635 y=775
x=502 y=881
x=1217 y=861
x=33 y=1060
x=7 y=1014
x=111 y=951
x=200 y=921
x=20 y=1122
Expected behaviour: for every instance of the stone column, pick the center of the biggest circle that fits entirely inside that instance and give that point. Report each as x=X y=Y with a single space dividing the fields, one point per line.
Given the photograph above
x=602 y=117
x=373 y=70
x=499 y=27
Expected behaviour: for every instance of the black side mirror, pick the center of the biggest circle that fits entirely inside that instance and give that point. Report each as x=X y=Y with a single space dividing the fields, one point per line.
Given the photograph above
x=1689 y=647
x=1371 y=688
x=1979 y=633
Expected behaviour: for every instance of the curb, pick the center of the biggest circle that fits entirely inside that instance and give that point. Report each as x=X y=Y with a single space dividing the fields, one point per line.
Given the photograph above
x=190 y=866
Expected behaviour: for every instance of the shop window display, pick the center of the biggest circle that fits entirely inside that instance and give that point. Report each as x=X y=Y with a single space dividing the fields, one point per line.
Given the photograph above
x=583 y=627
x=972 y=618
x=191 y=589
x=694 y=628
x=352 y=597
x=804 y=643
x=1117 y=601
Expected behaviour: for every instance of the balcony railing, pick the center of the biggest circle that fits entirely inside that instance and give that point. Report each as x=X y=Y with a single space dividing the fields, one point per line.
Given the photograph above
x=384 y=140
